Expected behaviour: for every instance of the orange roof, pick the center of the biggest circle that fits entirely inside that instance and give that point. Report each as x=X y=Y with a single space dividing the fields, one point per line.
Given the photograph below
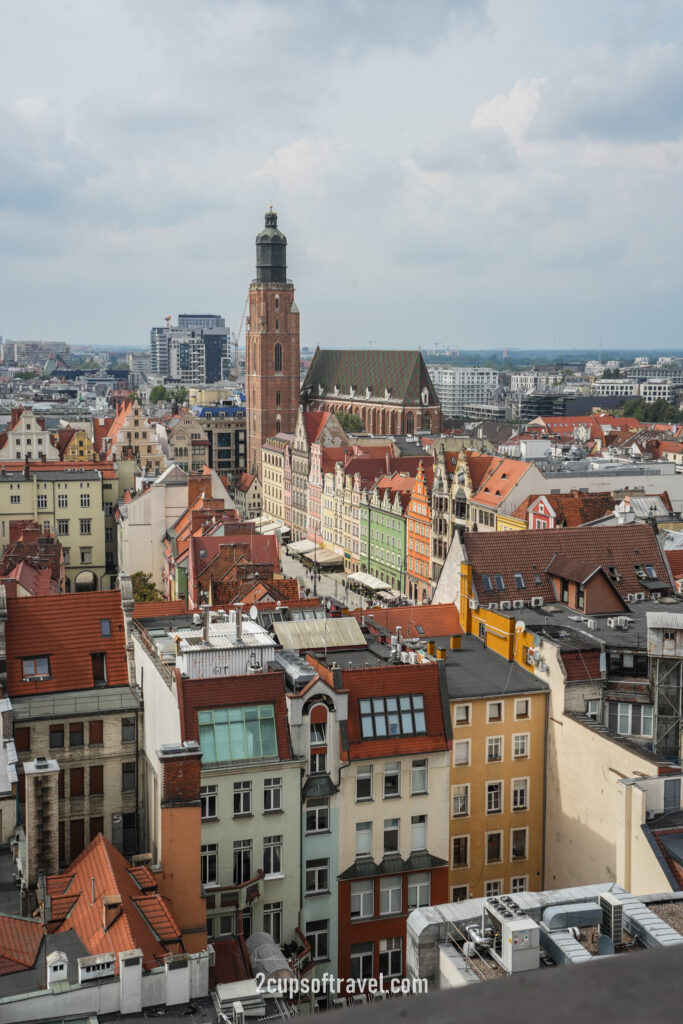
x=119 y=420
x=150 y=609
x=245 y=481
x=19 y=943
x=145 y=920
x=66 y=629
x=419 y=623
x=675 y=560
x=107 y=471
x=314 y=423
x=500 y=482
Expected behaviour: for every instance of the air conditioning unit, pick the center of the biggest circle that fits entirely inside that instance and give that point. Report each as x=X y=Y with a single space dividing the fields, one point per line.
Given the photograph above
x=612 y=622
x=505 y=606
x=592 y=623
x=518 y=604
x=623 y=621
x=640 y=596
x=474 y=604
x=493 y=606
x=631 y=597
x=536 y=602
x=612 y=921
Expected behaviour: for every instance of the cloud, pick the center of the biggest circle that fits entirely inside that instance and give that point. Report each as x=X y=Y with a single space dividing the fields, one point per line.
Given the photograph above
x=512 y=112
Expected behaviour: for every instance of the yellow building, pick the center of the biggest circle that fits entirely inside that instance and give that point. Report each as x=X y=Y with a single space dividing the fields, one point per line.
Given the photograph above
x=79 y=448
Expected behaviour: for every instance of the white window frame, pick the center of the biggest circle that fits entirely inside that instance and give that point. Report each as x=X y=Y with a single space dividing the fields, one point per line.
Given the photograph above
x=363 y=773
x=272 y=915
x=321 y=729
x=454 y=795
x=459 y=867
x=390 y=895
x=317 y=874
x=514 y=784
x=501 y=804
x=208 y=795
x=272 y=793
x=241 y=797
x=418 y=831
x=501 y=845
x=488 y=887
x=209 y=863
x=316 y=809
x=392 y=769
x=495 y=703
x=527 y=744
x=361 y=830
x=313 y=936
x=525 y=829
x=420 y=882
x=523 y=700
x=272 y=844
x=462 y=764
x=515 y=881
x=393 y=828
x=456 y=723
x=362 y=898
x=388 y=950
x=418 y=767
x=500 y=741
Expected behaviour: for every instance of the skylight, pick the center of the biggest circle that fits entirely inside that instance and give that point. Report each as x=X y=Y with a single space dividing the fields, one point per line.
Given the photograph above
x=500 y=582
x=519 y=580
x=486 y=583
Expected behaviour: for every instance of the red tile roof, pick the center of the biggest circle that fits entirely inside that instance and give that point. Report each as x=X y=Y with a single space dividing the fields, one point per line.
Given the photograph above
x=231 y=962
x=150 y=609
x=675 y=560
x=530 y=551
x=500 y=481
x=66 y=629
x=581 y=665
x=19 y=943
x=145 y=920
x=245 y=481
x=435 y=620
x=314 y=423
x=572 y=509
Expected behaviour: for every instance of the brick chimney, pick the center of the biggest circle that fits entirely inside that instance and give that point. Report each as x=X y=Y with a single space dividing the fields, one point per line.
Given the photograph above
x=197 y=484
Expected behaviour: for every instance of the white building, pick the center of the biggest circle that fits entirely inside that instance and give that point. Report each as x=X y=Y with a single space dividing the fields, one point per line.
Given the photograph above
x=458 y=386
x=620 y=386
x=660 y=387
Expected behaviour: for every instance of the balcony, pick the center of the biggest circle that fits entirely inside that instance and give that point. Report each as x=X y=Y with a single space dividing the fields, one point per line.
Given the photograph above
x=237 y=896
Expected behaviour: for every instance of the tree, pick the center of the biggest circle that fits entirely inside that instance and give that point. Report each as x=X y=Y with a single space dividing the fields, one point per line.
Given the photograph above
x=143 y=587
x=350 y=423
x=159 y=394
x=180 y=394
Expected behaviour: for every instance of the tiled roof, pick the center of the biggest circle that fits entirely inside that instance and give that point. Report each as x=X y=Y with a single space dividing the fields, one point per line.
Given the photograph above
x=402 y=371
x=529 y=552
x=66 y=629
x=38 y=582
x=572 y=509
x=151 y=609
x=675 y=560
x=245 y=481
x=145 y=920
x=262 y=548
x=314 y=423
x=581 y=665
x=236 y=691
x=500 y=481
x=420 y=623
x=231 y=962
x=568 y=568
x=20 y=941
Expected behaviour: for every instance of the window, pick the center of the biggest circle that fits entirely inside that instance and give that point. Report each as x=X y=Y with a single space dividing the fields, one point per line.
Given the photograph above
x=208 y=796
x=494 y=748
x=319 y=762
x=518 y=843
x=391 y=957
x=519 y=580
x=96 y=826
x=22 y=738
x=494 y=847
x=613 y=573
x=235 y=734
x=593 y=709
x=272 y=794
x=494 y=797
x=318 y=733
x=62 y=527
x=631 y=719
x=85 y=525
x=317 y=876
x=520 y=794
x=461 y=851
x=460 y=893
x=99 y=668
x=523 y=708
x=85 y=500
x=363 y=838
x=392 y=779
x=278 y=357
x=494 y=711
x=62 y=501
x=481 y=632
x=391 y=835
x=95 y=732
x=487 y=584
x=67 y=555
x=35 y=668
x=128 y=777
x=14 y=499
x=127 y=730
x=493 y=888
x=241 y=798
x=209 y=862
x=317 y=815
x=272 y=921
x=108 y=508
x=77 y=782
x=362 y=954
x=86 y=556
x=418 y=777
x=56 y=737
x=41 y=501
x=392 y=716
x=418 y=832
x=460 y=800
x=520 y=744
x=105 y=627
x=461 y=752
x=462 y=714
x=500 y=582
x=364 y=783
x=419 y=890
x=519 y=884
x=316 y=935
x=241 y=861
x=272 y=855
x=362 y=899
x=390 y=894
x=76 y=734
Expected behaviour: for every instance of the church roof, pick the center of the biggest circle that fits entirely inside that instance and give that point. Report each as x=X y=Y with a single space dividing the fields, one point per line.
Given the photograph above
x=404 y=373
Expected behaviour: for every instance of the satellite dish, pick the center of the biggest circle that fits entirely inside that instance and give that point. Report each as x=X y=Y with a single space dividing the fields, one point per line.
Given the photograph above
x=605 y=946
x=520 y=627
x=253 y=613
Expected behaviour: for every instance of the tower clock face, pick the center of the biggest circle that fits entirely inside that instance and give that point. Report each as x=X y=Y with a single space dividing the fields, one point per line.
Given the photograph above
x=425 y=396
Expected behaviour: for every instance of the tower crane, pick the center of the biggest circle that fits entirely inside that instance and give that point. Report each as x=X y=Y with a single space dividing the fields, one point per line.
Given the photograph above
x=236 y=368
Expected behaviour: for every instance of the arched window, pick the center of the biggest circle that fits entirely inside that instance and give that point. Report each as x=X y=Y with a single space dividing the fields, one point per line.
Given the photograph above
x=410 y=423
x=278 y=358
x=277 y=399
x=426 y=421
x=278 y=425
x=277 y=303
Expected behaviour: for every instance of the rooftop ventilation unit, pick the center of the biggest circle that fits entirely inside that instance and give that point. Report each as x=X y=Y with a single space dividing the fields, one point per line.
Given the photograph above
x=493 y=606
x=631 y=598
x=518 y=604
x=505 y=606
x=474 y=604
x=592 y=623
x=612 y=921
x=536 y=602
x=640 y=596
x=612 y=622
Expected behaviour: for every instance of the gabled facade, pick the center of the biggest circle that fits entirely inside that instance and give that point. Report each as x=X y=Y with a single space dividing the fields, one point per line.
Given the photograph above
x=27 y=437
x=131 y=436
x=418 y=585
x=188 y=444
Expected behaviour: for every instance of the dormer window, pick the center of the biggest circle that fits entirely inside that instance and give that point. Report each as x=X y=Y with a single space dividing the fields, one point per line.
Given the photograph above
x=35 y=668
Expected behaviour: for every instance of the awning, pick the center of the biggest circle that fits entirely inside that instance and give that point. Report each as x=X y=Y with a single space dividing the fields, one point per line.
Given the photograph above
x=269 y=528
x=323 y=556
x=301 y=547
x=366 y=580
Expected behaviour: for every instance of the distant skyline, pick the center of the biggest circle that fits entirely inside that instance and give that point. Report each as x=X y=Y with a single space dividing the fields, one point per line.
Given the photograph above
x=455 y=172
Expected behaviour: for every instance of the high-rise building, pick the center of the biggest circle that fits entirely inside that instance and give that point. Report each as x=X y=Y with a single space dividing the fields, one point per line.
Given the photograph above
x=458 y=386
x=272 y=357
x=193 y=353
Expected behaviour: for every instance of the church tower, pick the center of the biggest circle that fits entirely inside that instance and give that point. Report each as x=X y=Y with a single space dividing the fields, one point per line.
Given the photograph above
x=272 y=356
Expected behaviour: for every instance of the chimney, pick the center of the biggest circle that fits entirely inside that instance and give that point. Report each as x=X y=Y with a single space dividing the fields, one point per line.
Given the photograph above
x=238 y=623
x=337 y=678
x=387 y=461
x=196 y=485
x=206 y=622
x=111 y=908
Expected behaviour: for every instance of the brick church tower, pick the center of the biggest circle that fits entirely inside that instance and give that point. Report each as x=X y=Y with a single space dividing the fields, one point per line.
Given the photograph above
x=272 y=356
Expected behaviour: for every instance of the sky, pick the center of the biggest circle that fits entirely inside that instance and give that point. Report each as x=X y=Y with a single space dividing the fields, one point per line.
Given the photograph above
x=450 y=172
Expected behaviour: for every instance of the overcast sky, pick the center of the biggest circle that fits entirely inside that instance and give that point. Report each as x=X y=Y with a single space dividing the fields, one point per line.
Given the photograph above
x=446 y=171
